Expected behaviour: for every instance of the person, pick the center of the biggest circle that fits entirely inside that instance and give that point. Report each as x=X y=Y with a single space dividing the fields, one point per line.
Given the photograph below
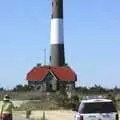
x=6 y=109
x=28 y=113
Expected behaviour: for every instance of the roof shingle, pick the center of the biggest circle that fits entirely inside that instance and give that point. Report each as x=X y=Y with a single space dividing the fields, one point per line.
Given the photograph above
x=62 y=73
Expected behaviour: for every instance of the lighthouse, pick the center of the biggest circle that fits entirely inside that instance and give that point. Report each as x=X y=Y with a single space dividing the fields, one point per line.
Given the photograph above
x=55 y=76
x=57 y=57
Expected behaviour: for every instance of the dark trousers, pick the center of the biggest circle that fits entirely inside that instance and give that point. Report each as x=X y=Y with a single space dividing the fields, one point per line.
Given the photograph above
x=7 y=117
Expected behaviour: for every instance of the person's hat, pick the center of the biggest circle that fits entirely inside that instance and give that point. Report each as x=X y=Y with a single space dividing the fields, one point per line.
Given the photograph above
x=6 y=97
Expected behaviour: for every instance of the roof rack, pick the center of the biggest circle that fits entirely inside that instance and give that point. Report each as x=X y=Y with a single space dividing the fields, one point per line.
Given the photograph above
x=94 y=97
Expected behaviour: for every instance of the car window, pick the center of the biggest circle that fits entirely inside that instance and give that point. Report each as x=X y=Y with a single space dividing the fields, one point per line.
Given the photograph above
x=97 y=107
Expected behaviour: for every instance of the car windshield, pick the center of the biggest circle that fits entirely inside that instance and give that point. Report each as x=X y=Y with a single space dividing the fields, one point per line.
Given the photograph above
x=97 y=107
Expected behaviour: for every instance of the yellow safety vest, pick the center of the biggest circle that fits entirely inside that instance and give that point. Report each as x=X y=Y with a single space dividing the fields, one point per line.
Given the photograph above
x=6 y=107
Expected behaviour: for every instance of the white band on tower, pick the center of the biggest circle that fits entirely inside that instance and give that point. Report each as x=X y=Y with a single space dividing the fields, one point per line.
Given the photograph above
x=57 y=31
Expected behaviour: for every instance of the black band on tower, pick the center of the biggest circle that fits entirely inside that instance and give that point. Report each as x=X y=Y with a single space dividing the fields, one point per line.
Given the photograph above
x=57 y=8
x=57 y=55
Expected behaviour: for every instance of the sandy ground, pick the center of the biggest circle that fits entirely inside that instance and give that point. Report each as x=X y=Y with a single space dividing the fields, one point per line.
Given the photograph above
x=49 y=115
x=54 y=115
x=19 y=118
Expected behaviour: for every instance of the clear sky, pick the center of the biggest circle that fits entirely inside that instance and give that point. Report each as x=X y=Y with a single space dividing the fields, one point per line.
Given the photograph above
x=92 y=39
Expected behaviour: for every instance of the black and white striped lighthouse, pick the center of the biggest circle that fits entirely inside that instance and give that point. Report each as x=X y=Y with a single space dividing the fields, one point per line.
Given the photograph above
x=57 y=75
x=57 y=34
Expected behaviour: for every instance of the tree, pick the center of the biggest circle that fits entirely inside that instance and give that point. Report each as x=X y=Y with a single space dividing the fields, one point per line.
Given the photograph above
x=22 y=88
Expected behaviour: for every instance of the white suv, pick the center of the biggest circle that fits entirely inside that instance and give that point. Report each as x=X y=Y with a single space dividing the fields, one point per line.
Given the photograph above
x=96 y=109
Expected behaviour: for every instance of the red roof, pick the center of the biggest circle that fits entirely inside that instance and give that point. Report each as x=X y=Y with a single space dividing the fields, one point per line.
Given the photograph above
x=62 y=73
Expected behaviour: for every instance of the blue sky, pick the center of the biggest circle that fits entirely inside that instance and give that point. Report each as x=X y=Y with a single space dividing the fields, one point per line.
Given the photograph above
x=92 y=39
